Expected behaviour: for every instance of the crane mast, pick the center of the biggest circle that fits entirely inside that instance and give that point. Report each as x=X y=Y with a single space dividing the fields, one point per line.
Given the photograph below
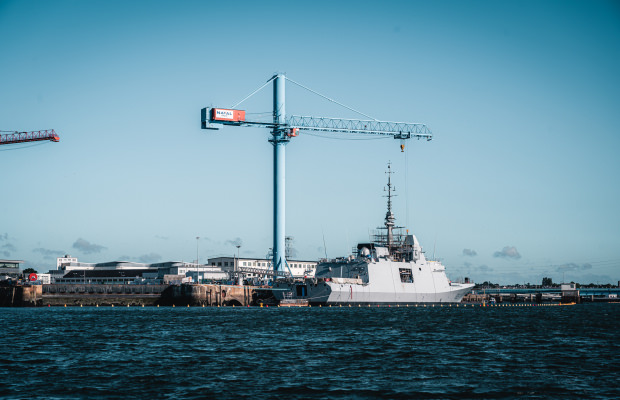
x=279 y=139
x=283 y=128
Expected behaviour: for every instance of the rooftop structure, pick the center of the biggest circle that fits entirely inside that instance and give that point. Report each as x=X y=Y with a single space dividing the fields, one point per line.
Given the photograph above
x=10 y=269
x=251 y=268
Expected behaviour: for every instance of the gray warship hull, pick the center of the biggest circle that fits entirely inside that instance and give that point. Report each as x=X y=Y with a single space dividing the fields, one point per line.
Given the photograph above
x=375 y=283
x=392 y=269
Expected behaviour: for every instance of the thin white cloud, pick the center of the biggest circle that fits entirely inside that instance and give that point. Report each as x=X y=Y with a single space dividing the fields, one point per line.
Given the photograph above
x=86 y=247
x=469 y=252
x=574 y=267
x=149 y=258
x=48 y=254
x=508 y=252
x=235 y=242
x=7 y=248
x=484 y=268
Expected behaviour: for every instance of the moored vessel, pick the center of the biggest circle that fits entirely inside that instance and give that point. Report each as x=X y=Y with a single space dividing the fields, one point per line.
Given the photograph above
x=391 y=269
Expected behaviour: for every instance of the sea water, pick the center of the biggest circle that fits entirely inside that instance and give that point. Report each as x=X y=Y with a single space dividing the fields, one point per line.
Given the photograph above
x=323 y=353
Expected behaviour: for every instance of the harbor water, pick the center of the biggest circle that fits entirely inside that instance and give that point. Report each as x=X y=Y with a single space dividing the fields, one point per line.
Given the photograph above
x=323 y=353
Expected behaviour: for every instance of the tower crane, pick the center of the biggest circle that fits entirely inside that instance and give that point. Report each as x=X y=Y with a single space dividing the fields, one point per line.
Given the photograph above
x=34 y=136
x=284 y=128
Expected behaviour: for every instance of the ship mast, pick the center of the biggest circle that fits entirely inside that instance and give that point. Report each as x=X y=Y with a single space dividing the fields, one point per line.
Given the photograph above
x=389 y=216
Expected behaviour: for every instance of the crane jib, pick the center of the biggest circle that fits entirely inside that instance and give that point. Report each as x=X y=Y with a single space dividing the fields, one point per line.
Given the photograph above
x=35 y=136
x=399 y=130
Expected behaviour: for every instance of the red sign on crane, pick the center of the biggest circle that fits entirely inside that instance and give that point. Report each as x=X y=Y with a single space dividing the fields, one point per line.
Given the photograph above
x=221 y=114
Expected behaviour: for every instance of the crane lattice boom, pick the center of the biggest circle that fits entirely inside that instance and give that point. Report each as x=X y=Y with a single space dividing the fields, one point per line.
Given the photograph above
x=400 y=130
x=22 y=137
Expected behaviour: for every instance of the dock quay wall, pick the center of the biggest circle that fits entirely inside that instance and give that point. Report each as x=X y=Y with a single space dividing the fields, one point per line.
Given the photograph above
x=216 y=295
x=21 y=296
x=101 y=295
x=132 y=295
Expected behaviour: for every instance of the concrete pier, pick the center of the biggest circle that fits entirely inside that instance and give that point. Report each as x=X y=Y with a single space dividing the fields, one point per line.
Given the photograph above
x=133 y=295
x=216 y=295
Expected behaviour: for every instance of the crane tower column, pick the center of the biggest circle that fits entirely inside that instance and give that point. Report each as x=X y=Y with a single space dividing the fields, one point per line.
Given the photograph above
x=279 y=141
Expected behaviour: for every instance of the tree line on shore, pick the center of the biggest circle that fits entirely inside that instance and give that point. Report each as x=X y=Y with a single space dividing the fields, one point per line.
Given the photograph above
x=546 y=283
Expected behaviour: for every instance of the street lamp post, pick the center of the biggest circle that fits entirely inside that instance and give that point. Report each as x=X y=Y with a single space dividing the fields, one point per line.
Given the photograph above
x=237 y=262
x=197 y=271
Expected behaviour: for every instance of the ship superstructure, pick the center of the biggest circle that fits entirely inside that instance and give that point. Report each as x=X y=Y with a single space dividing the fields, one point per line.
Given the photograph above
x=391 y=269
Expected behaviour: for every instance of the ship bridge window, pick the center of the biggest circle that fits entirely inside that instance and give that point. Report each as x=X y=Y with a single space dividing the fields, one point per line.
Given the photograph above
x=405 y=275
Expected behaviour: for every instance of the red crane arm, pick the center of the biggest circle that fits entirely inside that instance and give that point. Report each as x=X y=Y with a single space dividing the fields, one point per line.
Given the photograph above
x=21 y=137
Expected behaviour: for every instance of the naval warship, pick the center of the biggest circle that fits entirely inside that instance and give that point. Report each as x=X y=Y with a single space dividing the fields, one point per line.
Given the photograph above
x=391 y=269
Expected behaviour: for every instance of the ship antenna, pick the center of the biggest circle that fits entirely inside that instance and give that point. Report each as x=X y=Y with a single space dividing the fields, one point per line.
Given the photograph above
x=324 y=246
x=389 y=217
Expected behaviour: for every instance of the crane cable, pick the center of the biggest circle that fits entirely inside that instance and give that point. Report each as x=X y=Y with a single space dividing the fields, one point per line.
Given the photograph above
x=254 y=92
x=25 y=147
x=332 y=100
x=363 y=137
x=407 y=187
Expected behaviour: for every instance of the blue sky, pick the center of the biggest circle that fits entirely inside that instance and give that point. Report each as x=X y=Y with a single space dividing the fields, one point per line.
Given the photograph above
x=520 y=181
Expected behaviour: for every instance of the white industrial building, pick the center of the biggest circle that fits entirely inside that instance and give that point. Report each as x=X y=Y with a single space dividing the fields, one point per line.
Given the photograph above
x=244 y=266
x=69 y=270
x=218 y=269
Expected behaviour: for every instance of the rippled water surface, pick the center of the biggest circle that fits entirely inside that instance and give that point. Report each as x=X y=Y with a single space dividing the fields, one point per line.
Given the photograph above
x=266 y=353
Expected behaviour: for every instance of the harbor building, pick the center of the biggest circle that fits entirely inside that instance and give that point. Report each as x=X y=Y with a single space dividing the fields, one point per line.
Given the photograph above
x=70 y=270
x=218 y=269
x=253 y=268
x=67 y=259
x=10 y=269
